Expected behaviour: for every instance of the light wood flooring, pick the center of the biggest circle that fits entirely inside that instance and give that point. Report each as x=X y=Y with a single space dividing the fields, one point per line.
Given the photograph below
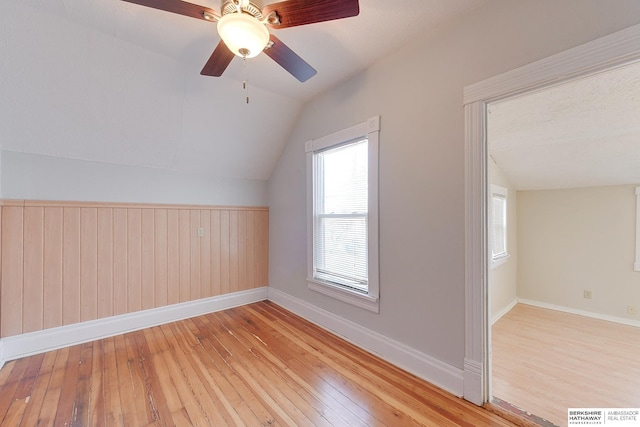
x=256 y=365
x=546 y=361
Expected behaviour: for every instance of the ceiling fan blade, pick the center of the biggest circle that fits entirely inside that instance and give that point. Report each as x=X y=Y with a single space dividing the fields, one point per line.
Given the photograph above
x=179 y=7
x=289 y=60
x=302 y=12
x=218 y=62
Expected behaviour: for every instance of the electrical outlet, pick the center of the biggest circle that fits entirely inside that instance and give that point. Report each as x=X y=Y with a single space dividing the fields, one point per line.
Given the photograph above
x=587 y=294
x=200 y=232
x=632 y=309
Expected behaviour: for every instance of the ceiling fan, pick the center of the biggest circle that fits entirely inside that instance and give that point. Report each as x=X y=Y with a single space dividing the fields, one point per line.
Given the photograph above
x=242 y=26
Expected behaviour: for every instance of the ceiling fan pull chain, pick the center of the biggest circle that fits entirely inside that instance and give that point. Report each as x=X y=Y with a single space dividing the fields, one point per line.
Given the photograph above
x=245 y=81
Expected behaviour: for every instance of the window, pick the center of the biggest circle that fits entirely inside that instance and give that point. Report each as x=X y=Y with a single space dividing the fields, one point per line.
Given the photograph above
x=340 y=215
x=342 y=181
x=498 y=224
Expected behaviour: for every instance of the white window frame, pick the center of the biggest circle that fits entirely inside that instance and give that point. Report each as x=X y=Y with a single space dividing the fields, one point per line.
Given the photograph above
x=636 y=265
x=370 y=300
x=501 y=258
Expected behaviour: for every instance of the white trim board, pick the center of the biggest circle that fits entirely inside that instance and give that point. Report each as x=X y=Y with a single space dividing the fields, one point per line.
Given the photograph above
x=422 y=365
x=608 y=318
x=636 y=265
x=17 y=346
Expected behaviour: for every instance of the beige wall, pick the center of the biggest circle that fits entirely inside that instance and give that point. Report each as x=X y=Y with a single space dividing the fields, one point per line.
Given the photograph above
x=503 y=279
x=575 y=240
x=418 y=91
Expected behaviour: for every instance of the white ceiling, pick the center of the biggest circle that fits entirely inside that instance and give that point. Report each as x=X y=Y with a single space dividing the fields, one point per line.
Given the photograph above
x=115 y=82
x=583 y=133
x=337 y=49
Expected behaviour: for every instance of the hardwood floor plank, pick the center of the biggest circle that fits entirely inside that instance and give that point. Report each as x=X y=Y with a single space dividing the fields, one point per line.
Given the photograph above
x=233 y=386
x=252 y=370
x=243 y=377
x=80 y=412
x=151 y=381
x=29 y=376
x=15 y=412
x=5 y=372
x=52 y=396
x=113 y=405
x=373 y=407
x=546 y=361
x=144 y=404
x=159 y=349
x=294 y=400
x=234 y=404
x=65 y=407
x=188 y=387
x=332 y=409
x=256 y=365
x=386 y=407
x=96 y=398
x=225 y=409
x=129 y=413
x=21 y=392
x=298 y=360
x=39 y=390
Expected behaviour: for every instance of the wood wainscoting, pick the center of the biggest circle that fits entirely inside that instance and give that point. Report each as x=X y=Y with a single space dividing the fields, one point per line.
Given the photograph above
x=69 y=262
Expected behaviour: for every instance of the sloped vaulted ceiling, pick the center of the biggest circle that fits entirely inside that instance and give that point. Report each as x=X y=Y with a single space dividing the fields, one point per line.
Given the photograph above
x=110 y=81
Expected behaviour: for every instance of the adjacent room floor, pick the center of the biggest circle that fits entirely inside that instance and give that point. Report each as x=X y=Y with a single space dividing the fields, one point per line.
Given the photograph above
x=256 y=365
x=545 y=361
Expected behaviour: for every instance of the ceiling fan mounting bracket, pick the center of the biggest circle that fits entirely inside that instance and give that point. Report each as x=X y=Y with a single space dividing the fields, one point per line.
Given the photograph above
x=252 y=7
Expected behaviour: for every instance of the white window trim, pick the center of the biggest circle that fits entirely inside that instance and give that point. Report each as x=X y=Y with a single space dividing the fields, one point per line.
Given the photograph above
x=495 y=262
x=369 y=301
x=636 y=265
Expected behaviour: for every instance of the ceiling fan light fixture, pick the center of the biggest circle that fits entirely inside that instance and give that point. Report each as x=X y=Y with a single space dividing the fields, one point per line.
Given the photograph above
x=243 y=34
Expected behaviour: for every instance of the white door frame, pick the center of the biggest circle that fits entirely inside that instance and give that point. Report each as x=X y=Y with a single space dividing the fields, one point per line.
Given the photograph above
x=607 y=52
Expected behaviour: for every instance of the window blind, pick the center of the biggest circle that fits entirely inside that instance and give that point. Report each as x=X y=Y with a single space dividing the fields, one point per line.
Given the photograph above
x=340 y=215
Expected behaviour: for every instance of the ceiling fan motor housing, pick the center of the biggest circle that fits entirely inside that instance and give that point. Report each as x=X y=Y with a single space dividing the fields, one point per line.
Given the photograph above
x=252 y=7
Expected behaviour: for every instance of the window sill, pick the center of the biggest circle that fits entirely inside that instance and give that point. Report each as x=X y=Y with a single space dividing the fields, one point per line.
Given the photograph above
x=352 y=297
x=496 y=262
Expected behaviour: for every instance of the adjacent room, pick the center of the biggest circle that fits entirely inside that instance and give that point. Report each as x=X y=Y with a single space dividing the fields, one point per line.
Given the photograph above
x=197 y=230
x=564 y=173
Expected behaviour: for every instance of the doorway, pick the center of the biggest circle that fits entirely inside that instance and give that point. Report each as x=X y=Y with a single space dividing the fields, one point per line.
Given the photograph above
x=563 y=168
x=609 y=52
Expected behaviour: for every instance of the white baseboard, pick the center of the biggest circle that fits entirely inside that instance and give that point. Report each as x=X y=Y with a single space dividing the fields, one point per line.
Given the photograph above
x=473 y=384
x=1 y=354
x=424 y=366
x=591 y=314
x=23 y=345
x=504 y=311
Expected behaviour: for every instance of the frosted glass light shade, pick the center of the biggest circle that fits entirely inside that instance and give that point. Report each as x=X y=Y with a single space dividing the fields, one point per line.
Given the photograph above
x=243 y=34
